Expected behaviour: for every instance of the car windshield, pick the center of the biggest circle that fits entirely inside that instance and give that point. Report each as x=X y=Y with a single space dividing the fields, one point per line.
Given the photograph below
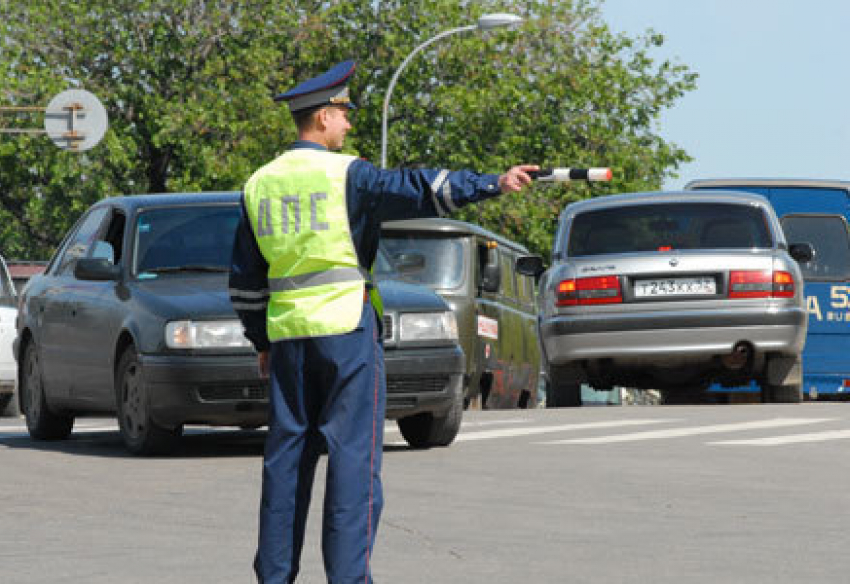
x=436 y=262
x=668 y=226
x=383 y=267
x=196 y=238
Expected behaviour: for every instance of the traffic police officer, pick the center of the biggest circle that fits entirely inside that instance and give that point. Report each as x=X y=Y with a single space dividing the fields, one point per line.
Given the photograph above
x=300 y=283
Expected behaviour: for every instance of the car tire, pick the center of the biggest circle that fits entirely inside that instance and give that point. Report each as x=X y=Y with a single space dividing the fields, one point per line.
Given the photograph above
x=42 y=423
x=140 y=433
x=563 y=386
x=426 y=430
x=560 y=394
x=782 y=394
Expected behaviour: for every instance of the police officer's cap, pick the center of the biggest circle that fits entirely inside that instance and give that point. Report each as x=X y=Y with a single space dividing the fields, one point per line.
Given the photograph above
x=329 y=88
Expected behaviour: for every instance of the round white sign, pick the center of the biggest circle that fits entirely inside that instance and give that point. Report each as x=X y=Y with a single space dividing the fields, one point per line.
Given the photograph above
x=75 y=120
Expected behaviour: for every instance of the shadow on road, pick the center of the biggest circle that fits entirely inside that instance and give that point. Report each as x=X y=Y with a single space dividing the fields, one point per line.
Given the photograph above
x=195 y=444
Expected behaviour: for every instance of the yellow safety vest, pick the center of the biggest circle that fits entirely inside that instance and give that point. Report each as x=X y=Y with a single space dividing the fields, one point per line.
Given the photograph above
x=297 y=208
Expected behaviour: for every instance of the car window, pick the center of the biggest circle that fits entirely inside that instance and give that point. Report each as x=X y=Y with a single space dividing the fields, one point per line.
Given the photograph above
x=178 y=238
x=525 y=288
x=828 y=234
x=666 y=226
x=444 y=258
x=7 y=289
x=80 y=242
x=383 y=268
x=111 y=246
x=508 y=285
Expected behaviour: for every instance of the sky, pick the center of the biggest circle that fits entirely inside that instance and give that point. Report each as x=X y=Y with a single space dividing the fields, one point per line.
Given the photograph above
x=773 y=93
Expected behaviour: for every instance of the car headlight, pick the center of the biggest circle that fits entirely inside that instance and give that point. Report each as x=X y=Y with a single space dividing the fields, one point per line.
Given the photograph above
x=211 y=334
x=427 y=326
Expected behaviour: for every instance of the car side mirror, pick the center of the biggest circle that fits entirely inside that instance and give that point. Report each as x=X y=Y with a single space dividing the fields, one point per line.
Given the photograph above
x=531 y=265
x=408 y=262
x=96 y=269
x=802 y=252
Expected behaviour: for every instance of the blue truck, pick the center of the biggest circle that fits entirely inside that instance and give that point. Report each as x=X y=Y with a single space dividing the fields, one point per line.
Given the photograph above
x=816 y=212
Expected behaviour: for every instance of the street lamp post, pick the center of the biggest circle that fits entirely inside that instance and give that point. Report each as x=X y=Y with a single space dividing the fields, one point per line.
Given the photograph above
x=486 y=22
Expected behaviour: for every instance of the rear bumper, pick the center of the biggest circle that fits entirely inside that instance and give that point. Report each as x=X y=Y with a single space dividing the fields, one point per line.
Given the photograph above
x=212 y=390
x=641 y=335
x=423 y=380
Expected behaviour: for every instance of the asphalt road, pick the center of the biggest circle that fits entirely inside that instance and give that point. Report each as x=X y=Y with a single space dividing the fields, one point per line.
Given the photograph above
x=714 y=494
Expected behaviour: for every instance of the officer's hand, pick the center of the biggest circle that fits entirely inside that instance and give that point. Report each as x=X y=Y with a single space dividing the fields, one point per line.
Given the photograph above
x=516 y=178
x=263 y=364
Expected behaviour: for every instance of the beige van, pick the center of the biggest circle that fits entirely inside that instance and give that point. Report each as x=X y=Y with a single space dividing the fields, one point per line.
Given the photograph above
x=473 y=269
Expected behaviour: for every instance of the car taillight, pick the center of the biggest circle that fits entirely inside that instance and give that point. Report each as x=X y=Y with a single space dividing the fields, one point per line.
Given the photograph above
x=783 y=285
x=760 y=284
x=596 y=290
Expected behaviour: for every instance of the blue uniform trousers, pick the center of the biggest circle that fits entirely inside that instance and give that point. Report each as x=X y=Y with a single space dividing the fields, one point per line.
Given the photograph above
x=324 y=390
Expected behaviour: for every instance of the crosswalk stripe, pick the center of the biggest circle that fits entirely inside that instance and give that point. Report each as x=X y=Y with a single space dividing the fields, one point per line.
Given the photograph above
x=506 y=421
x=788 y=439
x=693 y=431
x=510 y=432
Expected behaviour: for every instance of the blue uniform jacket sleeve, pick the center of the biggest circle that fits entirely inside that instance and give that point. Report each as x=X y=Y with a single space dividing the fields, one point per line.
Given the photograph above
x=376 y=195
x=248 y=285
x=412 y=193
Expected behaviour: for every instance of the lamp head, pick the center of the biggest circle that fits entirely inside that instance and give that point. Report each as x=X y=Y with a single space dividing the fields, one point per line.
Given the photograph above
x=489 y=21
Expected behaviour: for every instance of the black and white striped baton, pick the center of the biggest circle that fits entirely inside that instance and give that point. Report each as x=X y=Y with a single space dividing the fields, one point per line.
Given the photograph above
x=570 y=174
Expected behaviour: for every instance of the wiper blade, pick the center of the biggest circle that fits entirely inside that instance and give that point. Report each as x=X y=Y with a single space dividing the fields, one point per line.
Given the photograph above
x=187 y=268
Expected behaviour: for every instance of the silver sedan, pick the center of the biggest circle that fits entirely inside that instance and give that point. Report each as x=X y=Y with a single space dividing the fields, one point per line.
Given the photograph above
x=673 y=291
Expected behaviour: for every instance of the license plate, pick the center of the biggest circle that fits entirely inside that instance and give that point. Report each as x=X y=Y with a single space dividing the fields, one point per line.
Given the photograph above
x=675 y=287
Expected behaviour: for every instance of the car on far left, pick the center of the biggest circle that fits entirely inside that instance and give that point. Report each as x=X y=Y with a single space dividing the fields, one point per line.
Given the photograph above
x=132 y=318
x=8 y=315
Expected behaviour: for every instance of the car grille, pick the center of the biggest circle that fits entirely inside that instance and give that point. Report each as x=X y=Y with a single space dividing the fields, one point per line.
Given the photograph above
x=233 y=392
x=389 y=328
x=423 y=384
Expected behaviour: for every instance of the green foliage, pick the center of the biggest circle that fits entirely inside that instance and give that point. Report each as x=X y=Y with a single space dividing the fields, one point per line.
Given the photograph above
x=187 y=86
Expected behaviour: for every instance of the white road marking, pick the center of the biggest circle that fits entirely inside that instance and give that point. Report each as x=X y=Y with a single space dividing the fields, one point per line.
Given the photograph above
x=511 y=432
x=466 y=424
x=788 y=439
x=693 y=431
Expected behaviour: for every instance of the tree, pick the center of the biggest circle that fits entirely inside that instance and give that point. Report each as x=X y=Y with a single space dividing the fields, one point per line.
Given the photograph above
x=187 y=85
x=563 y=90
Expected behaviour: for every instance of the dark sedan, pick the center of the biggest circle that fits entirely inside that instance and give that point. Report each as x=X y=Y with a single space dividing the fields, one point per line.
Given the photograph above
x=132 y=316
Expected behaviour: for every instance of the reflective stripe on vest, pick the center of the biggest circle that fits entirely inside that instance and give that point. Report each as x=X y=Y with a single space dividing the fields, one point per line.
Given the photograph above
x=297 y=208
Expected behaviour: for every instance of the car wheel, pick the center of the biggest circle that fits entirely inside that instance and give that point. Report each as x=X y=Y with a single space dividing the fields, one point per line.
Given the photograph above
x=426 y=430
x=562 y=395
x=782 y=394
x=141 y=434
x=563 y=386
x=42 y=423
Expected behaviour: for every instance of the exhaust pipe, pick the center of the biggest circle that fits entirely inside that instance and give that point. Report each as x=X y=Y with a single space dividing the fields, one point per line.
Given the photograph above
x=739 y=357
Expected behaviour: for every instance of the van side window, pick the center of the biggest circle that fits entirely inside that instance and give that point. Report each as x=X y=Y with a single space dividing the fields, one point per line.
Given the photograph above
x=525 y=289
x=830 y=237
x=489 y=268
x=508 y=282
